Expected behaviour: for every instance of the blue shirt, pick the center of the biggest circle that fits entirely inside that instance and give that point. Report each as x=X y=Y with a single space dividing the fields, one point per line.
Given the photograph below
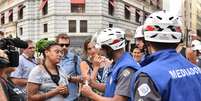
x=24 y=68
x=67 y=64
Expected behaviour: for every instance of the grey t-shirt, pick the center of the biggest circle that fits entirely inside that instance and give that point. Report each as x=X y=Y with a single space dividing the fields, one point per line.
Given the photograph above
x=123 y=82
x=40 y=76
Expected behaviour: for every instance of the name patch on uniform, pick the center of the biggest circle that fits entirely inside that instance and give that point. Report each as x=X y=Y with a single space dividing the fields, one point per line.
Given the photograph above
x=143 y=89
x=179 y=73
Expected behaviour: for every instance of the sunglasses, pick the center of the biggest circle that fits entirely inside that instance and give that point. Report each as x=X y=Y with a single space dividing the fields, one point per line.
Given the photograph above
x=62 y=45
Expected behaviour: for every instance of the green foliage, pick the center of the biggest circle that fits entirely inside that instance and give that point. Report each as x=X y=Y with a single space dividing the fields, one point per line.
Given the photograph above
x=42 y=44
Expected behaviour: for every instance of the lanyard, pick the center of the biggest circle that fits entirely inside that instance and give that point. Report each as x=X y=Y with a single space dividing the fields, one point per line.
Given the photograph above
x=55 y=78
x=30 y=60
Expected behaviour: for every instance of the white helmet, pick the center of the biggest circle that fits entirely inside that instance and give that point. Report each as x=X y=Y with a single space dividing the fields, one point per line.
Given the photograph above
x=112 y=37
x=196 y=45
x=139 y=32
x=163 y=27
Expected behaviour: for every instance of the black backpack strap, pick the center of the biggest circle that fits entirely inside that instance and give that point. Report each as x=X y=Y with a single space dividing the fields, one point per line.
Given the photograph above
x=4 y=86
x=75 y=65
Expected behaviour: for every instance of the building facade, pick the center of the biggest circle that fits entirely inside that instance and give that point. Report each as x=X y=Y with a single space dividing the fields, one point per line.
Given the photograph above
x=35 y=19
x=192 y=17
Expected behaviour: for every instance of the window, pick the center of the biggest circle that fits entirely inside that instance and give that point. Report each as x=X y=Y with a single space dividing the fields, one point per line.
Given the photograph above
x=20 y=12
x=72 y=25
x=10 y=15
x=111 y=7
x=21 y=30
x=45 y=8
x=2 y=18
x=146 y=15
x=77 y=6
x=137 y=15
x=83 y=25
x=110 y=25
x=127 y=12
x=151 y=2
x=158 y=4
x=45 y=28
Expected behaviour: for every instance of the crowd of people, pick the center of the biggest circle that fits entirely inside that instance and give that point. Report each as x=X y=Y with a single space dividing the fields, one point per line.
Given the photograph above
x=159 y=67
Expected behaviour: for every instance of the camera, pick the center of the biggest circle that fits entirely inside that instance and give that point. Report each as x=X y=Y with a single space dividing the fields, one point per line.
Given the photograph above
x=9 y=45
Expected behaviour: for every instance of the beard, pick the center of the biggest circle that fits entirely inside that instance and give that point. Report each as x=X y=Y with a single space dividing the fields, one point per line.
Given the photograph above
x=109 y=55
x=65 y=51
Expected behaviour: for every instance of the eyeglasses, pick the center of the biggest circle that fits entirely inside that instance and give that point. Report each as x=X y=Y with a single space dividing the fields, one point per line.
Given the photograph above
x=62 y=45
x=31 y=47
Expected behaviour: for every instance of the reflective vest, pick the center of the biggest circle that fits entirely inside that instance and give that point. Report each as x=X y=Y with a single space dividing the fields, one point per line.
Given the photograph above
x=175 y=78
x=126 y=61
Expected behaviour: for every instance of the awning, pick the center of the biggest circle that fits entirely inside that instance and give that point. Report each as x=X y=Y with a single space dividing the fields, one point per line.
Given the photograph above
x=112 y=2
x=1 y=15
x=155 y=2
x=20 y=7
x=42 y=4
x=78 y=1
x=128 y=8
x=141 y=13
x=10 y=12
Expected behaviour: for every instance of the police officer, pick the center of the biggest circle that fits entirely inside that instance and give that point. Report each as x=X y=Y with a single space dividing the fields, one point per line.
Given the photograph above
x=139 y=39
x=196 y=47
x=112 y=42
x=165 y=75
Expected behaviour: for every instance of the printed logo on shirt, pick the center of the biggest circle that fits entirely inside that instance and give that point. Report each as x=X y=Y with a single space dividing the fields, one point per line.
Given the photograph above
x=126 y=73
x=143 y=89
x=16 y=90
x=179 y=73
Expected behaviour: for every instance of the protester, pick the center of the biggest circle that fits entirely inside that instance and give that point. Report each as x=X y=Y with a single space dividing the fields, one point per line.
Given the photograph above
x=26 y=63
x=137 y=54
x=70 y=65
x=95 y=67
x=47 y=82
x=196 y=47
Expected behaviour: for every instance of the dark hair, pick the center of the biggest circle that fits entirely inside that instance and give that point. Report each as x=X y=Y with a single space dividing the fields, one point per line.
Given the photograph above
x=86 y=42
x=28 y=42
x=62 y=36
x=136 y=47
x=162 y=46
x=1 y=33
x=48 y=47
x=199 y=32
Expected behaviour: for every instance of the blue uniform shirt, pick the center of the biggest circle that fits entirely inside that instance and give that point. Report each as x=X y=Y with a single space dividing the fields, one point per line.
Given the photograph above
x=125 y=61
x=175 y=78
